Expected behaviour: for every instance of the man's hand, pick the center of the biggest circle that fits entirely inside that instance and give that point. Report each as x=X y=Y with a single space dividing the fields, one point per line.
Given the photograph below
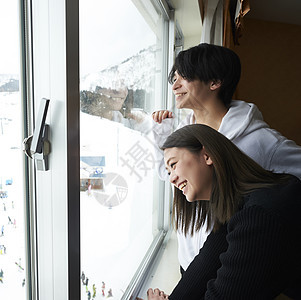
x=160 y=115
x=156 y=294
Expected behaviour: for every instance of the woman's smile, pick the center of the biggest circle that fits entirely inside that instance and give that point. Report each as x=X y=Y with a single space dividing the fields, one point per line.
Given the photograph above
x=190 y=172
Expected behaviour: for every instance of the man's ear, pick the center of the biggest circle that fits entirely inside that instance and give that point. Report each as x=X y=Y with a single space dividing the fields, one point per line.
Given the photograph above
x=216 y=84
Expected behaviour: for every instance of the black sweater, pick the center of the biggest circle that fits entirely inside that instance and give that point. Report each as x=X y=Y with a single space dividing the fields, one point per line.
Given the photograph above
x=257 y=255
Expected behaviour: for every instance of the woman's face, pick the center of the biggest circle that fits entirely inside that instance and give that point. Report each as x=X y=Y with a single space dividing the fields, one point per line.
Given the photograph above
x=190 y=172
x=190 y=94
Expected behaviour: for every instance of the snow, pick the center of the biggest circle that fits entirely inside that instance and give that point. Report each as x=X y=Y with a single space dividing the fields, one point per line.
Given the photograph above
x=135 y=73
x=14 y=235
x=118 y=238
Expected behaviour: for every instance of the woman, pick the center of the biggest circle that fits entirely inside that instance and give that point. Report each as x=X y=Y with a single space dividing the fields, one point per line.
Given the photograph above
x=253 y=251
x=203 y=80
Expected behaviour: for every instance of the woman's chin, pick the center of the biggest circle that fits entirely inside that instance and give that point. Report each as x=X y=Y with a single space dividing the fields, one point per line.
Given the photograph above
x=190 y=199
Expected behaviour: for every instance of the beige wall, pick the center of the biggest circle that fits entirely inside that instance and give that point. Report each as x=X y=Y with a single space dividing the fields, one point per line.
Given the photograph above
x=271 y=73
x=191 y=41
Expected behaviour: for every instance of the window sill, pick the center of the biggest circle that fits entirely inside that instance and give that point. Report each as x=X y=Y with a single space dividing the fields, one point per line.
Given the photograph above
x=165 y=273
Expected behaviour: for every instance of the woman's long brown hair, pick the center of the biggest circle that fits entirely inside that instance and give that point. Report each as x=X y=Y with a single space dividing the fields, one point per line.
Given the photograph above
x=234 y=175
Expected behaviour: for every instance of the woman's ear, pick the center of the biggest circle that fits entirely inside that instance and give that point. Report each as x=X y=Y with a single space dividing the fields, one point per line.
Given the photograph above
x=207 y=157
x=216 y=84
x=208 y=160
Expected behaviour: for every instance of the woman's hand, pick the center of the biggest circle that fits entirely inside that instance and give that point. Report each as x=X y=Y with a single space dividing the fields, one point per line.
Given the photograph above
x=160 y=115
x=156 y=294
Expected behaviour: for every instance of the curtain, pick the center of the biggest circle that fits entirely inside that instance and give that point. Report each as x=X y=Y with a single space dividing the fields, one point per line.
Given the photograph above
x=223 y=21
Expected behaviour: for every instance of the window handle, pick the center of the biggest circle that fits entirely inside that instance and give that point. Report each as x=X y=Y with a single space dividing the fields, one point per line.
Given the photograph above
x=37 y=146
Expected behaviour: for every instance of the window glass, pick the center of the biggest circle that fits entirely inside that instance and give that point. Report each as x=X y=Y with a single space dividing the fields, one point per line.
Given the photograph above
x=12 y=235
x=120 y=85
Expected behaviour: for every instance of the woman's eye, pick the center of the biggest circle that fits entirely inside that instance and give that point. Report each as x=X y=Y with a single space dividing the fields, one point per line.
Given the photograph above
x=172 y=165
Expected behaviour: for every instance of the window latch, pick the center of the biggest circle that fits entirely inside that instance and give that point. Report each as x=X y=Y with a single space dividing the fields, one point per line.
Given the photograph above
x=37 y=146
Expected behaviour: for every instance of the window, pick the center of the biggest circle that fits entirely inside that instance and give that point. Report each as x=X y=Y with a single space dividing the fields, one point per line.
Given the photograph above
x=101 y=187
x=121 y=83
x=13 y=260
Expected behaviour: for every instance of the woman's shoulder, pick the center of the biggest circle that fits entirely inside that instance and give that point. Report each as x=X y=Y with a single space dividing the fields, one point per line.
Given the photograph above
x=282 y=200
x=287 y=190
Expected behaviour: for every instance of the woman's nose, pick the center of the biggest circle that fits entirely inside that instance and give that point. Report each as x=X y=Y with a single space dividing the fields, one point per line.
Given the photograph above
x=173 y=178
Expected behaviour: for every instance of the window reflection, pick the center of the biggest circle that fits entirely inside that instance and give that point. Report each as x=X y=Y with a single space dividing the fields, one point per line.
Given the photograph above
x=120 y=80
x=116 y=104
x=123 y=92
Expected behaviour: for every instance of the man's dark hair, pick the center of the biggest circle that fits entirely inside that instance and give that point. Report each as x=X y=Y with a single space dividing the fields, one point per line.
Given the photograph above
x=208 y=62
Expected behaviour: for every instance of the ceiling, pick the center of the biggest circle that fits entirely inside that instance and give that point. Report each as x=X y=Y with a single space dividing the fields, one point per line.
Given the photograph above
x=288 y=11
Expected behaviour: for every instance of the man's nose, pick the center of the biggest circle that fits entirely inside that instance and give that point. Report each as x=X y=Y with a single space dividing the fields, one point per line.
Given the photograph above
x=176 y=84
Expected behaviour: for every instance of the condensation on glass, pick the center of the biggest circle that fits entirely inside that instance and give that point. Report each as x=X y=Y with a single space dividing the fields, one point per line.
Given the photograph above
x=120 y=86
x=12 y=229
